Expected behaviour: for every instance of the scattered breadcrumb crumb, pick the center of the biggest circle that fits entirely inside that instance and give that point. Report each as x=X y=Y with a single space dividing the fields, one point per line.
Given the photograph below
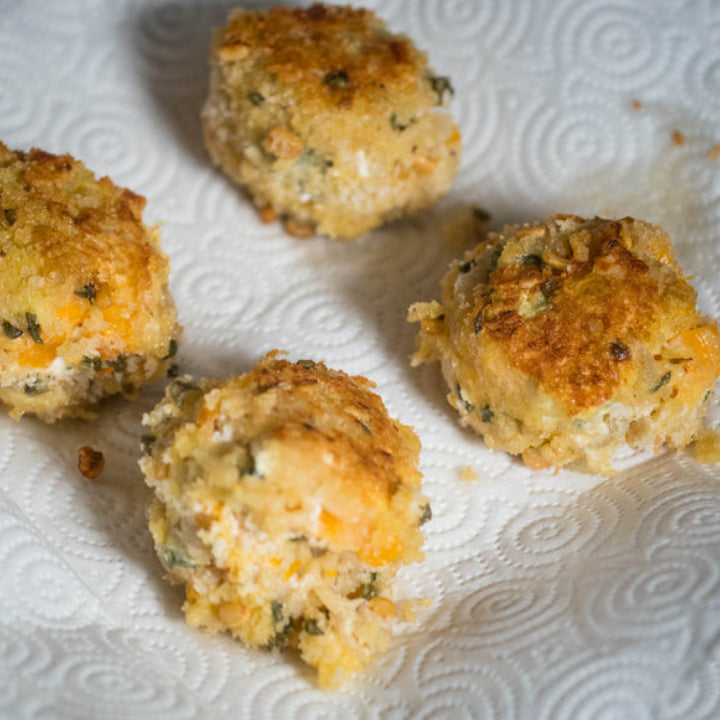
x=409 y=608
x=468 y=474
x=91 y=462
x=678 y=138
x=707 y=447
x=714 y=153
x=637 y=104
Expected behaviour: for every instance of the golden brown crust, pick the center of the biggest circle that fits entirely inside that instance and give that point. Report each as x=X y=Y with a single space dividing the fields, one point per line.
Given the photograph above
x=562 y=339
x=610 y=298
x=285 y=501
x=82 y=282
x=332 y=56
x=328 y=119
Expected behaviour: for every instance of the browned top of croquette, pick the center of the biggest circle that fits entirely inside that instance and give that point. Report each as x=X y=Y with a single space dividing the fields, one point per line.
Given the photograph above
x=331 y=55
x=333 y=464
x=76 y=262
x=574 y=303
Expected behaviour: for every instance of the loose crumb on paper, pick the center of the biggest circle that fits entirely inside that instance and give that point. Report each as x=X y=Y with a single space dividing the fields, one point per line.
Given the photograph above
x=714 y=153
x=468 y=474
x=409 y=608
x=637 y=104
x=91 y=462
x=678 y=138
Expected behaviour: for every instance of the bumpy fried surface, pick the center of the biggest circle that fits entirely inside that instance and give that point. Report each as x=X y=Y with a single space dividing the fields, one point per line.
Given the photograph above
x=562 y=340
x=285 y=501
x=327 y=119
x=84 y=302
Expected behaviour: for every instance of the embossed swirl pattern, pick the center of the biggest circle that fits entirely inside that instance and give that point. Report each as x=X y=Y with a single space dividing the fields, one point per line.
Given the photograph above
x=558 y=597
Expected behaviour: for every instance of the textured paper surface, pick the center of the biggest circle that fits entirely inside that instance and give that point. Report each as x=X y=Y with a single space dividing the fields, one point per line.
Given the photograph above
x=555 y=596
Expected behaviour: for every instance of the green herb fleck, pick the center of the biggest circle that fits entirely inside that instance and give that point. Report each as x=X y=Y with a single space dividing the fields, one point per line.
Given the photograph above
x=307 y=364
x=298 y=538
x=535 y=260
x=255 y=98
x=94 y=363
x=486 y=414
x=250 y=467
x=364 y=427
x=425 y=515
x=440 y=86
x=337 y=79
x=477 y=322
x=182 y=392
x=147 y=443
x=33 y=327
x=36 y=387
x=311 y=627
x=467 y=406
x=396 y=125
x=276 y=610
x=369 y=589
x=11 y=331
x=174 y=559
x=172 y=349
x=118 y=364
x=10 y=215
x=87 y=291
x=664 y=380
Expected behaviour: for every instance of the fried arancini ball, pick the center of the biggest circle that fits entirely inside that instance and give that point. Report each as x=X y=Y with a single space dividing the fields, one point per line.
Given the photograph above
x=327 y=119
x=84 y=300
x=562 y=340
x=285 y=501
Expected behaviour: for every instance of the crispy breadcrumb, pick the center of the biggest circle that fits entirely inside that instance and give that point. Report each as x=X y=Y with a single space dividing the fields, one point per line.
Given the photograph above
x=563 y=339
x=285 y=501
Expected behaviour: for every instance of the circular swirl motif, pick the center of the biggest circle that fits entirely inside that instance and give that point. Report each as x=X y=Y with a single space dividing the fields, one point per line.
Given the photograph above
x=52 y=595
x=616 y=46
x=510 y=611
x=652 y=600
x=461 y=22
x=284 y=694
x=600 y=688
x=106 y=140
x=688 y=516
x=572 y=149
x=320 y=319
x=218 y=306
x=109 y=686
x=543 y=534
x=469 y=684
x=17 y=107
x=173 y=40
x=702 y=82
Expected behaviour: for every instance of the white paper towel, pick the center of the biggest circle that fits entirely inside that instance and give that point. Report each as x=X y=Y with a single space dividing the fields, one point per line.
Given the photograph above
x=555 y=596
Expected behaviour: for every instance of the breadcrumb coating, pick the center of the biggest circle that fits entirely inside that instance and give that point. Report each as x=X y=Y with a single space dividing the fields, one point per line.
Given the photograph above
x=327 y=119
x=285 y=501
x=84 y=300
x=564 y=339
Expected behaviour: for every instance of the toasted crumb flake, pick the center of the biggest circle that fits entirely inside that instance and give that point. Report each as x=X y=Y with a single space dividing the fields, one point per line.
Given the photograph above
x=678 y=138
x=468 y=474
x=714 y=153
x=637 y=104
x=90 y=462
